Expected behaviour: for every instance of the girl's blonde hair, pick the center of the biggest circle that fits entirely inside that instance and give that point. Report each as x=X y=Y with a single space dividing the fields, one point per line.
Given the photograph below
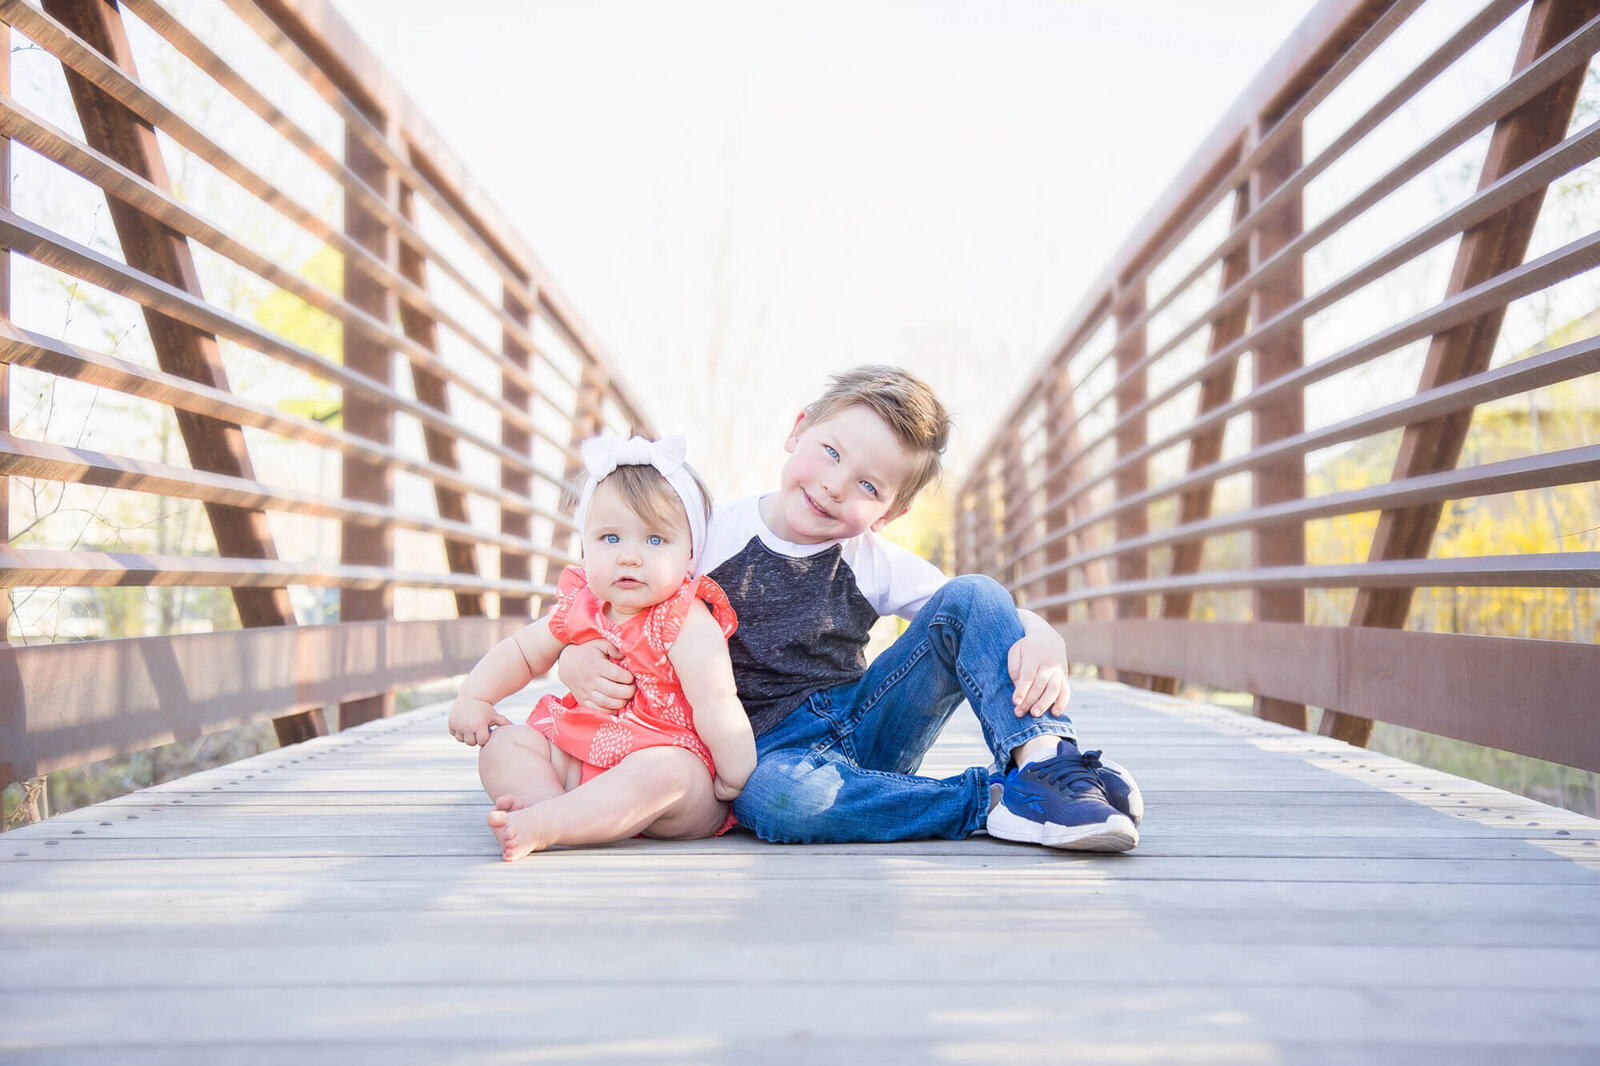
x=649 y=495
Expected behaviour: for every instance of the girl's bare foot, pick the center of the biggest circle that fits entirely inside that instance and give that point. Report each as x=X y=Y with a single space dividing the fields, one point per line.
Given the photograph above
x=515 y=825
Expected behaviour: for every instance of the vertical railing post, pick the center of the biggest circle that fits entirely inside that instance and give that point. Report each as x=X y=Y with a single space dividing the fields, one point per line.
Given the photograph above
x=1279 y=480
x=368 y=480
x=966 y=557
x=433 y=391
x=983 y=537
x=587 y=420
x=514 y=565
x=1131 y=435
x=1490 y=248
x=1015 y=509
x=1216 y=389
x=1061 y=437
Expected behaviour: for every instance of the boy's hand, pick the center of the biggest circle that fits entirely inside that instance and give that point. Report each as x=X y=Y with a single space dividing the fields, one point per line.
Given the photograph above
x=470 y=720
x=1038 y=667
x=593 y=678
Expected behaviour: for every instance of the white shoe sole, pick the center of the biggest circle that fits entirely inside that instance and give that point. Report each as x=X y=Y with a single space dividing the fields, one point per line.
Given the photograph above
x=1116 y=833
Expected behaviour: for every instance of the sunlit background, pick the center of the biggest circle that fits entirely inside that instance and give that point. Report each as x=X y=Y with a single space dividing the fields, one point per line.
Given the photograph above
x=743 y=197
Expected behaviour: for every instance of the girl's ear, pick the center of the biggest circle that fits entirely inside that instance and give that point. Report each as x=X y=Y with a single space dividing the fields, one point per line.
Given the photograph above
x=794 y=434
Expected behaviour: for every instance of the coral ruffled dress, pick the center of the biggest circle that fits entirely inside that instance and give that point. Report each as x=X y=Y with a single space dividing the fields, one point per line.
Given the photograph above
x=658 y=714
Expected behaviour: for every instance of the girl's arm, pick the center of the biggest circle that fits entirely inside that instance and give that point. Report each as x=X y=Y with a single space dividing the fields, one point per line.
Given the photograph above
x=509 y=666
x=700 y=657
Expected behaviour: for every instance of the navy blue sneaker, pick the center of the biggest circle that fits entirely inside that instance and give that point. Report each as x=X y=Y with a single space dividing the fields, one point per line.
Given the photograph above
x=1122 y=792
x=1060 y=802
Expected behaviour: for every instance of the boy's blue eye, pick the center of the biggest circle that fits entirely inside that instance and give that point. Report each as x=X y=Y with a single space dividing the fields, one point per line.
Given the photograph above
x=831 y=453
x=872 y=490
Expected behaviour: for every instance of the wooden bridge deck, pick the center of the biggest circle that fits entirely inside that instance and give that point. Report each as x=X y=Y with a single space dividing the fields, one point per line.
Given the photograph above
x=1293 y=900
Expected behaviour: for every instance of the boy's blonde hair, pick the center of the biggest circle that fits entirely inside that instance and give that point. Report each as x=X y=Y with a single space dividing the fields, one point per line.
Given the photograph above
x=906 y=405
x=650 y=496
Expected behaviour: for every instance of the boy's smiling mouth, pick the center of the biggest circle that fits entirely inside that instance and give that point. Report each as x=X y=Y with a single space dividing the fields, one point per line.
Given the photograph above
x=811 y=503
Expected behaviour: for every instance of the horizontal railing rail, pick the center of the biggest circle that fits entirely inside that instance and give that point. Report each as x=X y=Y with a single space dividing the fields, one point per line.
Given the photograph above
x=417 y=384
x=1114 y=499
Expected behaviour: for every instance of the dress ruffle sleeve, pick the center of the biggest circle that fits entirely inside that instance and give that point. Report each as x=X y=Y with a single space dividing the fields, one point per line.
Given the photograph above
x=666 y=619
x=572 y=582
x=709 y=592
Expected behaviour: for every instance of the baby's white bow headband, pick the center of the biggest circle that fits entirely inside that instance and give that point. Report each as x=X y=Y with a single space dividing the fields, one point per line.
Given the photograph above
x=603 y=454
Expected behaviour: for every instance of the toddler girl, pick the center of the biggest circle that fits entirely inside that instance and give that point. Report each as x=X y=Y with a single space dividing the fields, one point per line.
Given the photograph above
x=670 y=761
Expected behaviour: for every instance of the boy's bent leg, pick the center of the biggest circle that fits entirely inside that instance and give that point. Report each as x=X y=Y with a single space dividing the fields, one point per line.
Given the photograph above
x=954 y=649
x=958 y=645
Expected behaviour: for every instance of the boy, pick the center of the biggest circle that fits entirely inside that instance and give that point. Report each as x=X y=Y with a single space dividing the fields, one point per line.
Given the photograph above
x=838 y=743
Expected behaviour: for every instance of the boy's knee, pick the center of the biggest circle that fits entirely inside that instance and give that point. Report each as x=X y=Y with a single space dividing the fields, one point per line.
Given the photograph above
x=788 y=797
x=978 y=592
x=973 y=603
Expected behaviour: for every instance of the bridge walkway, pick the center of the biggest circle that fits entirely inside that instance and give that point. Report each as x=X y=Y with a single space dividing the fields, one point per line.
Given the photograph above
x=1293 y=900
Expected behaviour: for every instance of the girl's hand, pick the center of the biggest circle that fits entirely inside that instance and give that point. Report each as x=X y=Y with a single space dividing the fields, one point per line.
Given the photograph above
x=723 y=791
x=470 y=720
x=593 y=678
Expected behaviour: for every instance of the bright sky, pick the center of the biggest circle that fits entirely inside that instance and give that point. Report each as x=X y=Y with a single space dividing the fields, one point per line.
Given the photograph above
x=742 y=197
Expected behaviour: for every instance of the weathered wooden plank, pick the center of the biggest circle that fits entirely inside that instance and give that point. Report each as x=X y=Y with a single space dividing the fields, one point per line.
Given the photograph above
x=789 y=927
x=758 y=1012
x=809 y=1046
x=350 y=962
x=41 y=883
x=910 y=893
x=451 y=846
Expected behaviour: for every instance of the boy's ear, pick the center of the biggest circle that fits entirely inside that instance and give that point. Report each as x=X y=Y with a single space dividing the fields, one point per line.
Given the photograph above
x=886 y=519
x=794 y=434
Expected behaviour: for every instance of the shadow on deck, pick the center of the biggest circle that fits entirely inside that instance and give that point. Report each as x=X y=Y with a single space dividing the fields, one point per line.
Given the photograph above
x=1294 y=899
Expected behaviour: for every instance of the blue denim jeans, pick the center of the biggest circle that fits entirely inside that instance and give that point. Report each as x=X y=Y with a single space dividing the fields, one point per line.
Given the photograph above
x=841 y=766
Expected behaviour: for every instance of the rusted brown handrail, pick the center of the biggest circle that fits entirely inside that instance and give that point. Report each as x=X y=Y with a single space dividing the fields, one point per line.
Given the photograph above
x=1112 y=547
x=63 y=704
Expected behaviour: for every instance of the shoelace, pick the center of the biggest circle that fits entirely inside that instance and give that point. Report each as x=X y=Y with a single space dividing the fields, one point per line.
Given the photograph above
x=1076 y=772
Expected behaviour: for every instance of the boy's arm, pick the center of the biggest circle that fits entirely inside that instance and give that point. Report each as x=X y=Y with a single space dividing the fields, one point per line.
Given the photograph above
x=700 y=657
x=593 y=677
x=509 y=666
x=1038 y=667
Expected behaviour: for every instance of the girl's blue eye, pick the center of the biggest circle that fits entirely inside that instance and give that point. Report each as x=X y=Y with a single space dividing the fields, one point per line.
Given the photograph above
x=831 y=453
x=611 y=538
x=655 y=541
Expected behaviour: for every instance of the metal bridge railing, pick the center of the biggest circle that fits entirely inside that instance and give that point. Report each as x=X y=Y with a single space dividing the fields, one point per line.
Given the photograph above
x=1100 y=502
x=447 y=360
